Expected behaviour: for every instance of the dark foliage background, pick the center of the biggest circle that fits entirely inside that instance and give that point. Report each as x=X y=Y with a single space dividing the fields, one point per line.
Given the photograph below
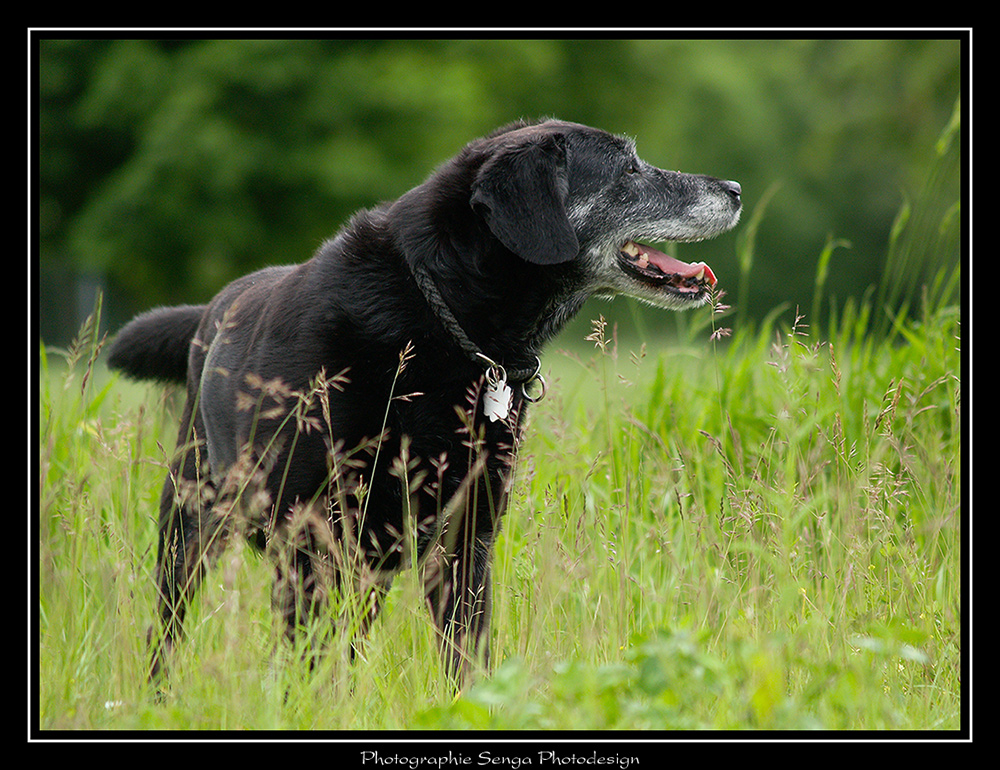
x=165 y=168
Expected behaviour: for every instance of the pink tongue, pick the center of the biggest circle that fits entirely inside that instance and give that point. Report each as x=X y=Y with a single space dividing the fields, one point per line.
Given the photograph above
x=674 y=266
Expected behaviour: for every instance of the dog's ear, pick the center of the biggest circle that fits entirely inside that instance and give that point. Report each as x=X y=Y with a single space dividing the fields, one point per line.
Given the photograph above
x=521 y=193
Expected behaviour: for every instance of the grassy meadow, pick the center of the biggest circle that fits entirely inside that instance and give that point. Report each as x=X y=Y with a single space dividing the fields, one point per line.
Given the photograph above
x=756 y=528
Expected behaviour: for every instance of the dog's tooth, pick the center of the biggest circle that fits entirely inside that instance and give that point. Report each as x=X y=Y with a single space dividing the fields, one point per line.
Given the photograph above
x=700 y=274
x=631 y=249
x=643 y=261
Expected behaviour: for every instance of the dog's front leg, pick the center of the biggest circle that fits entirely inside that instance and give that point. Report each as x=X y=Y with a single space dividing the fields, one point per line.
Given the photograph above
x=458 y=592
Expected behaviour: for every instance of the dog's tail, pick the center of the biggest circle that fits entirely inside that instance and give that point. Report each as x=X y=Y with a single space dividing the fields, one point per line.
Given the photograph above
x=154 y=345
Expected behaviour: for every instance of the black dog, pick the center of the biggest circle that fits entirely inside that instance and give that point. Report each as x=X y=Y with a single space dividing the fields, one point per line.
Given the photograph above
x=363 y=408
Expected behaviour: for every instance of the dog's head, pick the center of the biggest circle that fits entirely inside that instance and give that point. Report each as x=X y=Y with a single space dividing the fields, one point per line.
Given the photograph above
x=554 y=192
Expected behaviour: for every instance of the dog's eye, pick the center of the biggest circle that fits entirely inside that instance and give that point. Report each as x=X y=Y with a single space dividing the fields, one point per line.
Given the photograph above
x=632 y=168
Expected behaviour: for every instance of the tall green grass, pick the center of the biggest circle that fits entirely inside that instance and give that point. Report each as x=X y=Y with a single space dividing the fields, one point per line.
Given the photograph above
x=764 y=537
x=762 y=531
x=753 y=528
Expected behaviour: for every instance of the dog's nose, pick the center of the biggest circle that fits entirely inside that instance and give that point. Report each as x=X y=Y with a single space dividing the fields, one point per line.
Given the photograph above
x=733 y=188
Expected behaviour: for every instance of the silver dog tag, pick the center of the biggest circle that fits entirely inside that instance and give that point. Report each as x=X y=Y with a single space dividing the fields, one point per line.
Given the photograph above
x=498 y=397
x=497 y=400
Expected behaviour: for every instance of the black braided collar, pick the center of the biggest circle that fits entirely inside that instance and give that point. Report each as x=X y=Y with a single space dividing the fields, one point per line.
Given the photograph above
x=522 y=375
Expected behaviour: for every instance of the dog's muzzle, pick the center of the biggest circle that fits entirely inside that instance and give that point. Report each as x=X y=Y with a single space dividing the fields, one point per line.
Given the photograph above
x=662 y=271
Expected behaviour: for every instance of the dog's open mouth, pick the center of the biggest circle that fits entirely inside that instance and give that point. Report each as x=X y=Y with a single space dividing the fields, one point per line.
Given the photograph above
x=657 y=269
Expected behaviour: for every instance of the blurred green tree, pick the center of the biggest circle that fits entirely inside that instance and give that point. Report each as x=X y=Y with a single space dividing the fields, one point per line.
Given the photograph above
x=168 y=167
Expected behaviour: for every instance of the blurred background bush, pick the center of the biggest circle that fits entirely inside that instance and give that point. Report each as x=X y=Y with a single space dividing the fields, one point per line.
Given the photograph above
x=168 y=167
